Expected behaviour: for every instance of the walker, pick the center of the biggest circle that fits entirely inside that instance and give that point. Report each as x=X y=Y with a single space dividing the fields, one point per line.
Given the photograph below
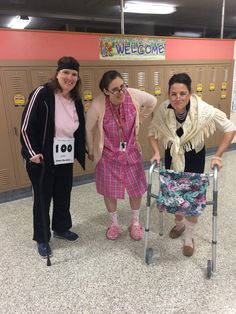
x=148 y=251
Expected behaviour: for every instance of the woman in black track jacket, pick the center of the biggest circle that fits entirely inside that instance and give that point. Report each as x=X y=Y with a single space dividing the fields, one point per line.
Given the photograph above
x=53 y=134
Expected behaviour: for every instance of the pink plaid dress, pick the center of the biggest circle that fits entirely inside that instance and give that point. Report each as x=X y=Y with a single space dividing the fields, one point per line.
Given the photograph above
x=118 y=171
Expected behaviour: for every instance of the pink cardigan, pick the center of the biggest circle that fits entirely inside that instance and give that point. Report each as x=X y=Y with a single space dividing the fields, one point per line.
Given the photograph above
x=144 y=104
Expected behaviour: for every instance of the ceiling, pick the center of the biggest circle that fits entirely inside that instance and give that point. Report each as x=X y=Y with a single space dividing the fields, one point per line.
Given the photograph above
x=103 y=16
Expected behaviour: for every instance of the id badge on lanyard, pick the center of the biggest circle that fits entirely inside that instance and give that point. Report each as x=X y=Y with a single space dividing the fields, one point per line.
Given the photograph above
x=122 y=147
x=63 y=150
x=120 y=125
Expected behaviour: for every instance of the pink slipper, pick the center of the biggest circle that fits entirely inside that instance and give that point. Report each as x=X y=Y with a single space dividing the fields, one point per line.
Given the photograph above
x=136 y=231
x=113 y=231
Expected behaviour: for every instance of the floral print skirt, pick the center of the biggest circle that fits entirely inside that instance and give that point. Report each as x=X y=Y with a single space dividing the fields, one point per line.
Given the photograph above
x=182 y=192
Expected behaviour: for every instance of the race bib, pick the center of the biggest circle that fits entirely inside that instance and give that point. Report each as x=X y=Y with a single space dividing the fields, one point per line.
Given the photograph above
x=63 y=150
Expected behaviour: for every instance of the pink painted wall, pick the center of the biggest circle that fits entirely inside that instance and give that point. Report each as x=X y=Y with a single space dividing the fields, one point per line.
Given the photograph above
x=202 y=49
x=37 y=45
x=45 y=45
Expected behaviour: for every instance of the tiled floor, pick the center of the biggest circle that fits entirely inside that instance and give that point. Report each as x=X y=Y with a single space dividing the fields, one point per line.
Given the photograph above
x=96 y=275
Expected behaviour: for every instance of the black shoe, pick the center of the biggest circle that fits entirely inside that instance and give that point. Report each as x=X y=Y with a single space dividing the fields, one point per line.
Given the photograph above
x=68 y=235
x=42 y=249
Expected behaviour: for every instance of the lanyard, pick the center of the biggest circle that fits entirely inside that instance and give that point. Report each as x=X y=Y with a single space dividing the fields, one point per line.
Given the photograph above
x=119 y=121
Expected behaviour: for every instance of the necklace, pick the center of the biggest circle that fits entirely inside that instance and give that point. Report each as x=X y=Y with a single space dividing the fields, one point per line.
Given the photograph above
x=181 y=116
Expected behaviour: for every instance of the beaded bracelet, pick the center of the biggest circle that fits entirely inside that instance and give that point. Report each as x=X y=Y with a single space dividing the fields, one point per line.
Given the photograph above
x=216 y=157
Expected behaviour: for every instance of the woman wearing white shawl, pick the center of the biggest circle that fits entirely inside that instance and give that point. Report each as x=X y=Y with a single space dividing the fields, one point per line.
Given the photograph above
x=181 y=125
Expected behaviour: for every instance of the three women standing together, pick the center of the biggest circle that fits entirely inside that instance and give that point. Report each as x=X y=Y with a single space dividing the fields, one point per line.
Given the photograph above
x=54 y=118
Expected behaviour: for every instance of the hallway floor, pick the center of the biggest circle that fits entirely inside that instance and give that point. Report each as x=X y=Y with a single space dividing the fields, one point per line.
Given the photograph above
x=95 y=275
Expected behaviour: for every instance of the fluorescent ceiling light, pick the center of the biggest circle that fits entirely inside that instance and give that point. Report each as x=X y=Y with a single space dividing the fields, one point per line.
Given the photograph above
x=187 y=34
x=148 y=7
x=19 y=22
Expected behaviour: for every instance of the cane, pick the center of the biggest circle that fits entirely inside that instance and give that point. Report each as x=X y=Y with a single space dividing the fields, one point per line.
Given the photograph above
x=42 y=207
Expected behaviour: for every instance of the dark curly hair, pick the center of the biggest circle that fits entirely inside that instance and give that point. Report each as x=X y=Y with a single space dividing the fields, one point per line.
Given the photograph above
x=181 y=78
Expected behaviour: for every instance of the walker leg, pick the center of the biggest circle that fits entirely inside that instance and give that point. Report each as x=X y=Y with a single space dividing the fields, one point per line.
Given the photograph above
x=161 y=232
x=211 y=264
x=146 y=233
x=147 y=254
x=214 y=220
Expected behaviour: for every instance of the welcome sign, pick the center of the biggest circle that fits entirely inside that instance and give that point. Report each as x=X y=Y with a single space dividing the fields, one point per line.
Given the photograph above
x=130 y=48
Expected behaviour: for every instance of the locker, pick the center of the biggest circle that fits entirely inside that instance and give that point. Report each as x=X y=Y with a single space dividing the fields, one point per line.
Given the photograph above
x=211 y=81
x=218 y=82
x=40 y=76
x=158 y=87
x=157 y=84
x=199 y=81
x=16 y=91
x=88 y=92
x=141 y=78
x=141 y=81
x=224 y=88
x=7 y=169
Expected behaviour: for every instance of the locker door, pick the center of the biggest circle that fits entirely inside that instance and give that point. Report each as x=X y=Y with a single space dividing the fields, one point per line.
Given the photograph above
x=157 y=83
x=88 y=92
x=224 y=84
x=141 y=78
x=16 y=91
x=199 y=82
x=88 y=86
x=158 y=88
x=7 y=171
x=40 y=76
x=212 y=97
x=141 y=81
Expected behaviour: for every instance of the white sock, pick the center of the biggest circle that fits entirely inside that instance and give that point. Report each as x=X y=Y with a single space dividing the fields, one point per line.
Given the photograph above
x=114 y=218
x=135 y=216
x=189 y=228
x=179 y=223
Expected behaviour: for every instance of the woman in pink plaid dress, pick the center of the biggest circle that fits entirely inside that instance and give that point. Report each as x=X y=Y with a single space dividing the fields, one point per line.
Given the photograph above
x=112 y=125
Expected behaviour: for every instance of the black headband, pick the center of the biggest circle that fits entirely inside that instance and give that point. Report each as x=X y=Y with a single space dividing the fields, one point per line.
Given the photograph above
x=72 y=65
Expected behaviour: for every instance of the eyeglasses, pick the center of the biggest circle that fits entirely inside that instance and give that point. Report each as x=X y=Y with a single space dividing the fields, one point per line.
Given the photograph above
x=116 y=91
x=181 y=95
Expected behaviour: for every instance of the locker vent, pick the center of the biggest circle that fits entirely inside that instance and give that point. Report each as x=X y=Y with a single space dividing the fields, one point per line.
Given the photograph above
x=199 y=75
x=17 y=85
x=213 y=75
x=156 y=78
x=141 y=79
x=4 y=177
x=87 y=82
x=226 y=74
x=125 y=76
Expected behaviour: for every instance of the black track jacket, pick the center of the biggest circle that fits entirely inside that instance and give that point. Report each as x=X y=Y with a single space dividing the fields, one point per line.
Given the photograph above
x=38 y=127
